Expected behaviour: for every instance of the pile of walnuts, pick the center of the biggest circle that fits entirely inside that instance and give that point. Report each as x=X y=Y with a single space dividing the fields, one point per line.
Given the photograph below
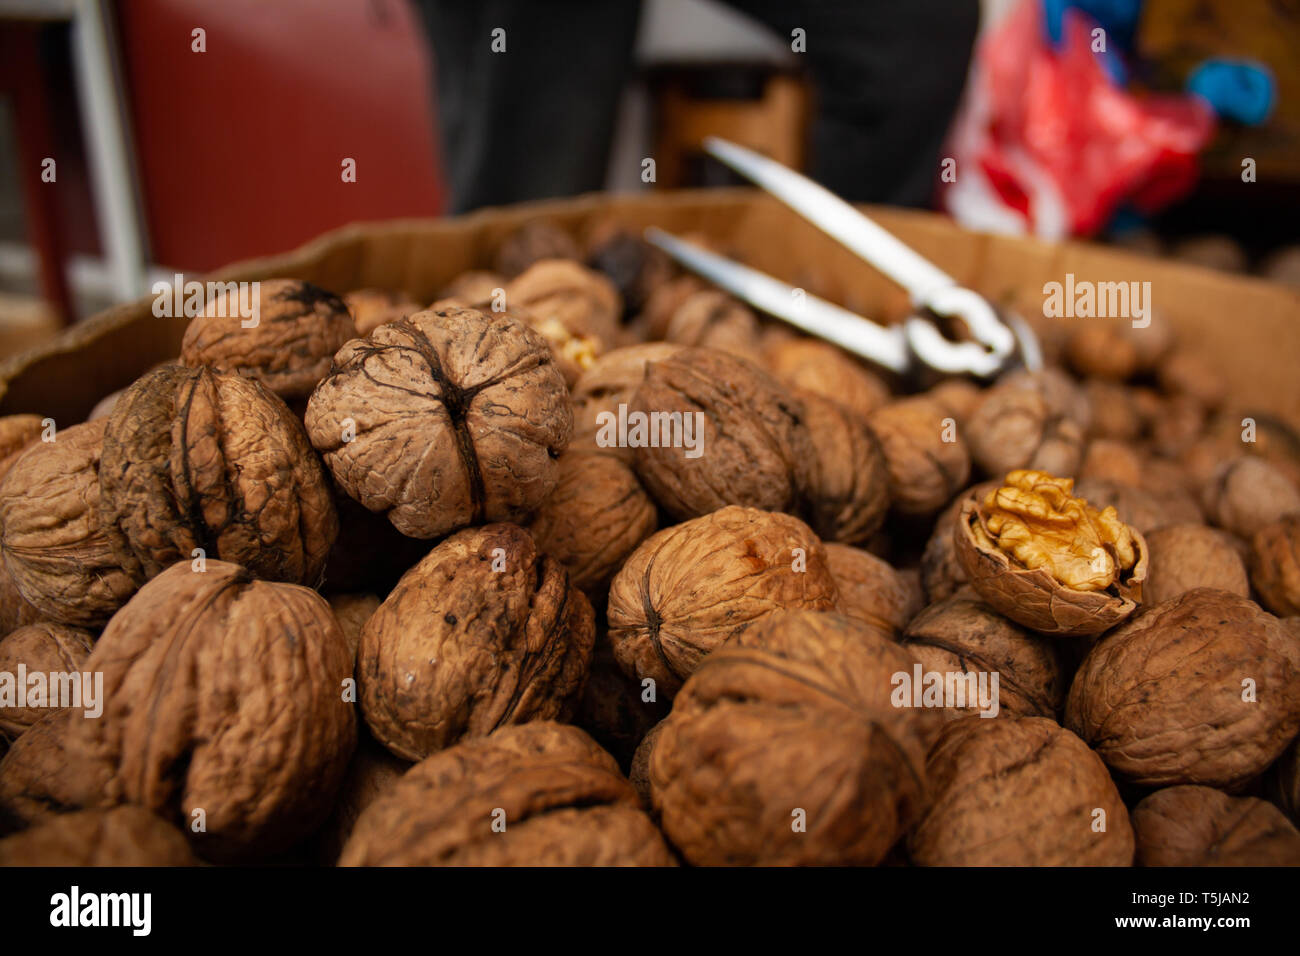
x=586 y=563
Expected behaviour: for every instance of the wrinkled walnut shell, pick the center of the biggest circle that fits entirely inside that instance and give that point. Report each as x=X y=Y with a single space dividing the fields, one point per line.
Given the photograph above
x=924 y=470
x=1201 y=826
x=713 y=319
x=42 y=777
x=689 y=588
x=849 y=494
x=17 y=434
x=1163 y=698
x=1021 y=792
x=55 y=546
x=42 y=648
x=299 y=328
x=784 y=748
x=1187 y=556
x=1032 y=597
x=1275 y=566
x=539 y=794
x=1017 y=426
x=871 y=591
x=122 y=836
x=581 y=300
x=819 y=367
x=1248 y=493
x=942 y=573
x=484 y=632
x=442 y=420
x=611 y=381
x=372 y=308
x=753 y=446
x=199 y=459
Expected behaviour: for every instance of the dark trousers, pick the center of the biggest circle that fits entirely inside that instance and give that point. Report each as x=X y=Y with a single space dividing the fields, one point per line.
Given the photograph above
x=536 y=121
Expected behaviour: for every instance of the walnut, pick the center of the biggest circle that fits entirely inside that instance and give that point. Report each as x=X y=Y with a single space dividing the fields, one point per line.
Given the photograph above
x=962 y=634
x=53 y=541
x=925 y=468
x=1115 y=412
x=616 y=710
x=1022 y=792
x=484 y=632
x=635 y=267
x=1232 y=433
x=122 y=836
x=44 y=649
x=664 y=301
x=476 y=288
x=817 y=366
x=573 y=354
x=959 y=396
x=583 y=302
x=1062 y=393
x=1201 y=826
x=40 y=777
x=942 y=573
x=538 y=794
x=1275 y=565
x=371 y=308
x=1108 y=459
x=721 y=432
x=531 y=243
x=689 y=588
x=850 y=491
x=222 y=694
x=595 y=517
x=445 y=419
x=1246 y=494
x=1188 y=374
x=1187 y=556
x=299 y=328
x=372 y=773
x=17 y=434
x=713 y=319
x=1096 y=350
x=200 y=459
x=1284 y=777
x=611 y=381
x=1142 y=507
x=1017 y=426
x=14 y=611
x=352 y=611
x=1201 y=689
x=1047 y=559
x=871 y=591
x=784 y=748
x=1176 y=426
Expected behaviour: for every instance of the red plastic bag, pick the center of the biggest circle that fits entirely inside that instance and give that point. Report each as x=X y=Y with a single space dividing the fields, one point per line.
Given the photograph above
x=1046 y=143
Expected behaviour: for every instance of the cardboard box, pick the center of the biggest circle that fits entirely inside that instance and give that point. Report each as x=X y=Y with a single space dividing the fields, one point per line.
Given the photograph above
x=1249 y=328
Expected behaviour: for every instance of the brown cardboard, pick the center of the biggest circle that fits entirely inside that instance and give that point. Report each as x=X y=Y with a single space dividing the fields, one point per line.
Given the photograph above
x=1248 y=327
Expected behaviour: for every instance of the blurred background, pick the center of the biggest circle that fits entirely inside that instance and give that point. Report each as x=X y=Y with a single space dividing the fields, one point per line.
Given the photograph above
x=141 y=138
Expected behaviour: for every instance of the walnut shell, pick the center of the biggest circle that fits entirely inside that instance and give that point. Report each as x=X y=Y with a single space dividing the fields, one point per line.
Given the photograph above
x=581 y=300
x=1284 y=777
x=871 y=591
x=925 y=471
x=539 y=794
x=1201 y=826
x=17 y=434
x=751 y=446
x=942 y=573
x=531 y=243
x=54 y=543
x=445 y=419
x=299 y=328
x=616 y=710
x=1111 y=460
x=477 y=287
x=1020 y=792
x=1115 y=414
x=849 y=494
x=352 y=611
x=595 y=517
x=1190 y=375
x=664 y=301
x=959 y=396
x=42 y=777
x=1033 y=597
x=689 y=588
x=14 y=611
x=713 y=319
x=42 y=648
x=484 y=632
x=1097 y=350
x=371 y=308
x=223 y=694
x=1247 y=493
x=1163 y=698
x=199 y=459
x=819 y=367
x=611 y=381
x=1017 y=426
x=635 y=267
x=122 y=836
x=1187 y=556
x=784 y=748
x=1275 y=565
x=962 y=634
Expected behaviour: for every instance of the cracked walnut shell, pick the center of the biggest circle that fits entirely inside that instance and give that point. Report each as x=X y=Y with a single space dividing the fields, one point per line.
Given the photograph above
x=1020 y=792
x=56 y=549
x=747 y=445
x=1048 y=560
x=200 y=459
x=689 y=588
x=538 y=794
x=299 y=328
x=1201 y=689
x=1201 y=826
x=485 y=632
x=445 y=419
x=784 y=748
